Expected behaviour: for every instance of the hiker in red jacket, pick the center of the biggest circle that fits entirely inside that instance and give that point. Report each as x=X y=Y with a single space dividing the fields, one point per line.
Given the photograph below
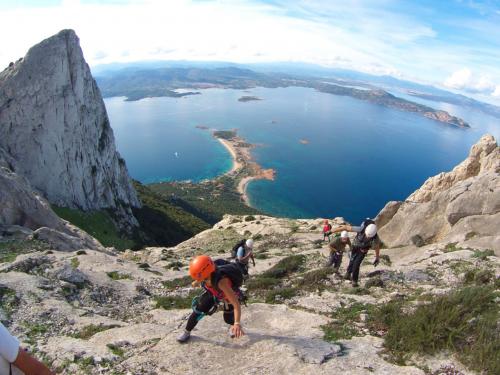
x=327 y=230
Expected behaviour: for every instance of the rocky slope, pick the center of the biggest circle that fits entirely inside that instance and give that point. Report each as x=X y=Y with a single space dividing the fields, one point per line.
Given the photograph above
x=54 y=127
x=459 y=206
x=426 y=310
x=88 y=312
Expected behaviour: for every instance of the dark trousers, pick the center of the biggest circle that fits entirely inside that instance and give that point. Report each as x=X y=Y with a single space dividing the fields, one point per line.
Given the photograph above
x=205 y=306
x=335 y=259
x=355 y=261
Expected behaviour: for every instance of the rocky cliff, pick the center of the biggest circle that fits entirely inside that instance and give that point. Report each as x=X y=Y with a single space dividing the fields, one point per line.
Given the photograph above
x=461 y=206
x=55 y=129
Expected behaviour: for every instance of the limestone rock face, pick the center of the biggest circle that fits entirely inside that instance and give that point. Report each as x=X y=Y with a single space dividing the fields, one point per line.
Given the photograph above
x=467 y=198
x=23 y=210
x=55 y=129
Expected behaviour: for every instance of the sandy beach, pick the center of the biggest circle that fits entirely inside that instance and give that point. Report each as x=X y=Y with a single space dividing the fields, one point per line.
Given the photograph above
x=236 y=165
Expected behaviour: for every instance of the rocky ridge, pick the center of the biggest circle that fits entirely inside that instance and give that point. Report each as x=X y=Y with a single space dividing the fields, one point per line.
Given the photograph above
x=459 y=206
x=56 y=133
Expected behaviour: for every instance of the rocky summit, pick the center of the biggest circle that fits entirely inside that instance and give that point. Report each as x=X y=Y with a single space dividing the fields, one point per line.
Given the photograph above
x=430 y=307
x=56 y=133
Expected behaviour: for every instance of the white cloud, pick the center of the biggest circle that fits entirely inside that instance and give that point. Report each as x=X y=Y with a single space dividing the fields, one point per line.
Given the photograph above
x=496 y=93
x=465 y=80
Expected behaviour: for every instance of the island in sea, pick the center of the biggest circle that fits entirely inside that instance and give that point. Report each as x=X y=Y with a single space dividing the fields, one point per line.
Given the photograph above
x=248 y=98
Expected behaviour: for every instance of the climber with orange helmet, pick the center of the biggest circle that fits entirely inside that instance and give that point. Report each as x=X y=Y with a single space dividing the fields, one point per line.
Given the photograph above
x=221 y=281
x=366 y=238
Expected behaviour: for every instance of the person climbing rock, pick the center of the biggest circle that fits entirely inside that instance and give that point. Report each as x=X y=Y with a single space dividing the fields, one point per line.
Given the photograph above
x=221 y=282
x=327 y=230
x=243 y=254
x=337 y=247
x=15 y=360
x=366 y=238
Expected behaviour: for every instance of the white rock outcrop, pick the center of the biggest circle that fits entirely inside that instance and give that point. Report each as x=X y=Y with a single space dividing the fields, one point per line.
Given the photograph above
x=460 y=205
x=55 y=129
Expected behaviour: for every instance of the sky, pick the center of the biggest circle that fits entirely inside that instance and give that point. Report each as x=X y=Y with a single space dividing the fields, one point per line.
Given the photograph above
x=452 y=44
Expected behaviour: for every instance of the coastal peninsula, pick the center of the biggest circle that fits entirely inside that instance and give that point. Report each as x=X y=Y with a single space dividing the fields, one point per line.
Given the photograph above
x=213 y=198
x=244 y=169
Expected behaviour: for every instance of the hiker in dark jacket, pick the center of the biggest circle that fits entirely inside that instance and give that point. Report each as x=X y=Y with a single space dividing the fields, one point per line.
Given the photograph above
x=366 y=238
x=221 y=282
x=337 y=247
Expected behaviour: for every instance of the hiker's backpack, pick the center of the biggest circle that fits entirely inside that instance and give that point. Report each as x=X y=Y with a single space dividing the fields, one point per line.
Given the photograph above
x=361 y=241
x=234 y=250
x=230 y=270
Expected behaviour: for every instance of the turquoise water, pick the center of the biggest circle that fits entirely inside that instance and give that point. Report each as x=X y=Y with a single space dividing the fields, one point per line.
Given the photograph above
x=359 y=155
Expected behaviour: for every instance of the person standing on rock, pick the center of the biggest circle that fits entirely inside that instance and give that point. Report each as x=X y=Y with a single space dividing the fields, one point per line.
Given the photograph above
x=327 y=230
x=15 y=360
x=366 y=238
x=337 y=247
x=221 y=283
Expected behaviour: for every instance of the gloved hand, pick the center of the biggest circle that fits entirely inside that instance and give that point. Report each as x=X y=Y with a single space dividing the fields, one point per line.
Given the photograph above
x=376 y=262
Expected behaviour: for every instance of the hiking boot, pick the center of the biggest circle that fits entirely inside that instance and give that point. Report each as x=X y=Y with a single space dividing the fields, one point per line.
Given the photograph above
x=347 y=276
x=184 y=337
x=355 y=284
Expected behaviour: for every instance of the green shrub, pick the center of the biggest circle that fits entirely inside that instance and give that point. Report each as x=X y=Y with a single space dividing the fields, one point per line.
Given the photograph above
x=75 y=263
x=176 y=302
x=249 y=218
x=116 y=350
x=464 y=322
x=8 y=300
x=277 y=295
x=261 y=283
x=483 y=255
x=452 y=246
x=81 y=252
x=315 y=279
x=88 y=331
x=179 y=282
x=374 y=282
x=285 y=266
x=115 y=275
x=343 y=327
x=257 y=237
x=144 y=265
x=478 y=276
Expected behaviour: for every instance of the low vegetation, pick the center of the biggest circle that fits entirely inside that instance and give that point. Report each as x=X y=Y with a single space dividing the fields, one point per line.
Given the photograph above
x=11 y=249
x=88 y=331
x=115 y=275
x=176 y=301
x=98 y=224
x=464 y=322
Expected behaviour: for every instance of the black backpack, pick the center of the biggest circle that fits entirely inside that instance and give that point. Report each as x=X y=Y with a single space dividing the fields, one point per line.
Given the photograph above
x=361 y=240
x=234 y=250
x=230 y=270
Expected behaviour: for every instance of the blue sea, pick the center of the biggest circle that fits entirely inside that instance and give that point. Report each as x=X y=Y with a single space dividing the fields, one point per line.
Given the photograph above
x=359 y=155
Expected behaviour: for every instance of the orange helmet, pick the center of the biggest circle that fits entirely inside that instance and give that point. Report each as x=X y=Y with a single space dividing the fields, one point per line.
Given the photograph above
x=201 y=267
